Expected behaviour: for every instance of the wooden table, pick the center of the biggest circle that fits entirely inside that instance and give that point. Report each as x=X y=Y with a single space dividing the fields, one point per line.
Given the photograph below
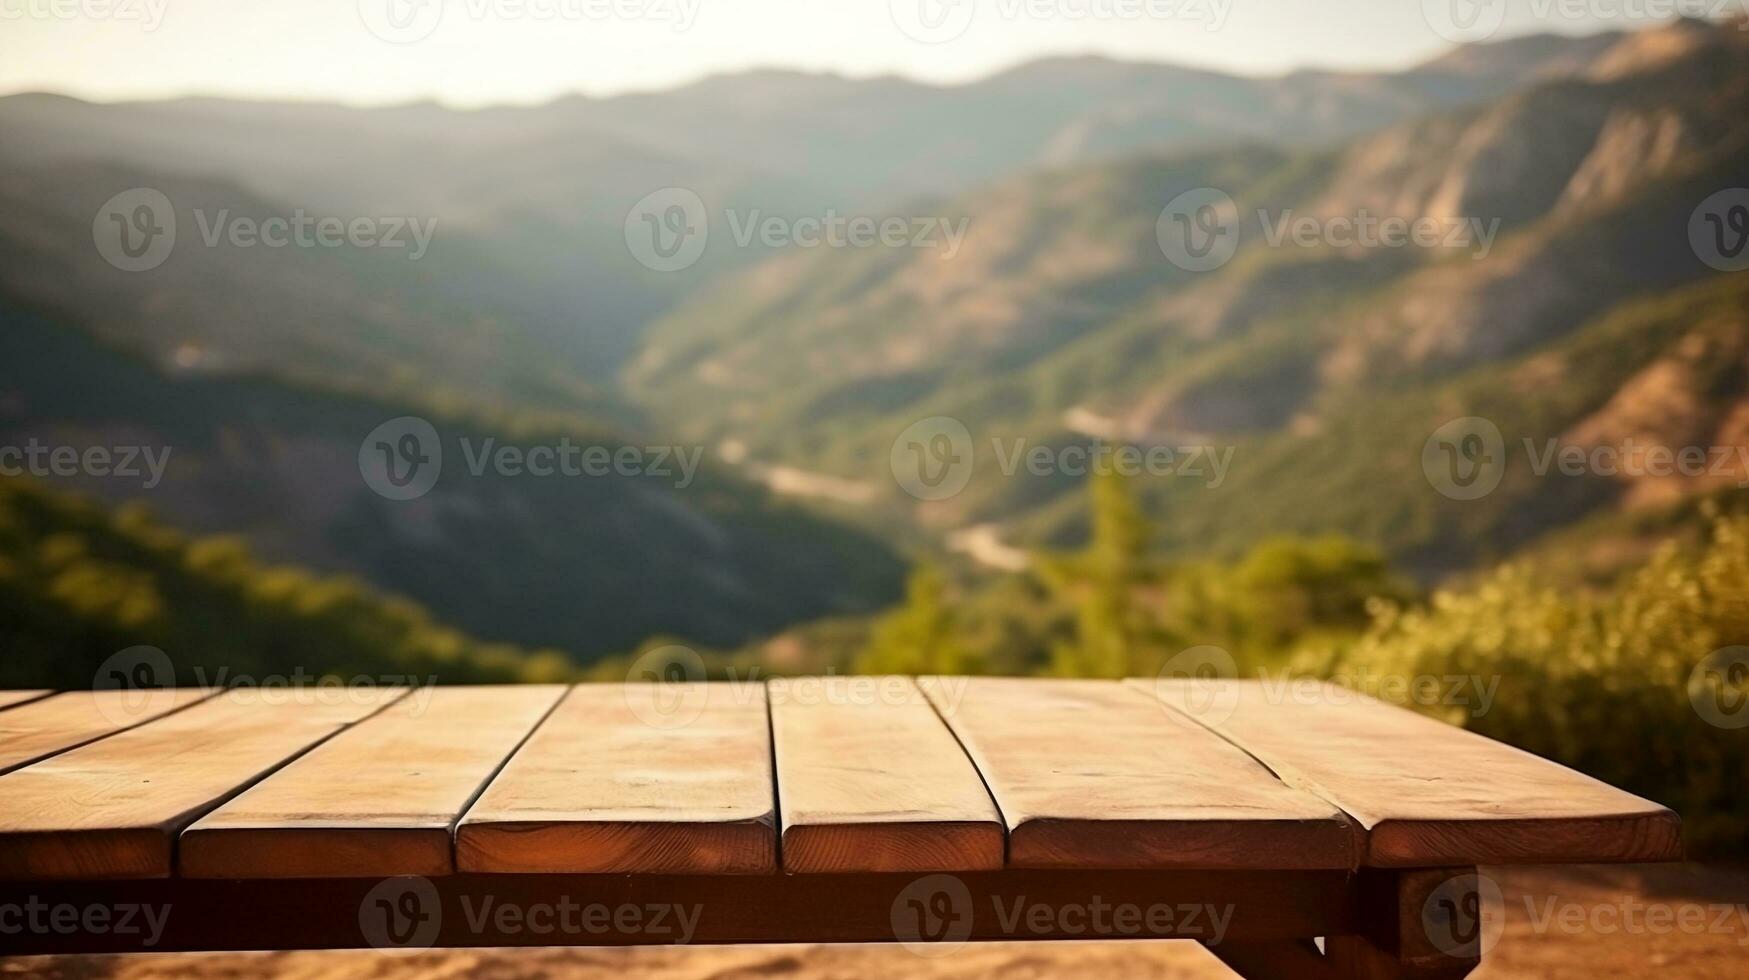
x=1250 y=816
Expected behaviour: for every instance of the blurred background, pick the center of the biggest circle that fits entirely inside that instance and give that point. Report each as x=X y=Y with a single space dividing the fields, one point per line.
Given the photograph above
x=483 y=341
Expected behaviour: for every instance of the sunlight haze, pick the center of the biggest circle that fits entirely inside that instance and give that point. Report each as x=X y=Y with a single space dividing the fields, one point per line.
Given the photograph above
x=480 y=52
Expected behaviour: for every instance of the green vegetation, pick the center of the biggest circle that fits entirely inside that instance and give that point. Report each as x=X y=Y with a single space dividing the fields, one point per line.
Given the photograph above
x=1116 y=608
x=1597 y=679
x=78 y=583
x=1601 y=681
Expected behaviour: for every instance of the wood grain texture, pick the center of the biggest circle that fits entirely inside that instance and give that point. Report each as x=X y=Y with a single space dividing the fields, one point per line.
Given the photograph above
x=870 y=779
x=10 y=699
x=378 y=800
x=1093 y=774
x=652 y=778
x=1429 y=794
x=112 y=809
x=39 y=729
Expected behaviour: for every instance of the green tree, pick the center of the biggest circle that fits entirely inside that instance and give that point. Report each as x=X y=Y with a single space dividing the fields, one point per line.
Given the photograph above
x=1117 y=632
x=922 y=635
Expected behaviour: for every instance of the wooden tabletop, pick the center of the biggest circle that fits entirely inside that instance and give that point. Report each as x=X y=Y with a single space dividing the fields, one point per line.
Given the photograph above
x=807 y=775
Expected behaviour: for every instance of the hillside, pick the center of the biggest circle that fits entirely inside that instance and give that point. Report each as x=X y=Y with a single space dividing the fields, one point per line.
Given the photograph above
x=530 y=202
x=1061 y=320
x=587 y=564
x=78 y=584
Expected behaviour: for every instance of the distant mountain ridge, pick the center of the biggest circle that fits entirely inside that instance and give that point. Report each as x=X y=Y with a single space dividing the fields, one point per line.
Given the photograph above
x=1061 y=318
x=529 y=318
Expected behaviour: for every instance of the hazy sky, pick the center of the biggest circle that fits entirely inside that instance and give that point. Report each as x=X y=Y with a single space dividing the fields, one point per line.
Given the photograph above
x=471 y=52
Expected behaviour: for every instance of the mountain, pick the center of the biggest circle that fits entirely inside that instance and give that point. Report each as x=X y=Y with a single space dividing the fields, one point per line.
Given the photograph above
x=525 y=320
x=78 y=584
x=589 y=562
x=530 y=202
x=1061 y=320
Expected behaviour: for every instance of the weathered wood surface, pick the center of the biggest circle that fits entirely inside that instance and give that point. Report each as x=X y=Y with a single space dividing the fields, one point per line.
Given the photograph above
x=871 y=780
x=828 y=777
x=40 y=728
x=379 y=799
x=11 y=699
x=656 y=778
x=112 y=808
x=1429 y=794
x=1094 y=774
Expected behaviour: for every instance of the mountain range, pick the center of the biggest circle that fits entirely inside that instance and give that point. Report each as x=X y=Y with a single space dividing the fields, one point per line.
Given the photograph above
x=1587 y=317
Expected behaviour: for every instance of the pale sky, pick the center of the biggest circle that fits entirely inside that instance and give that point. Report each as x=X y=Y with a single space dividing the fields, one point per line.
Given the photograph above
x=476 y=52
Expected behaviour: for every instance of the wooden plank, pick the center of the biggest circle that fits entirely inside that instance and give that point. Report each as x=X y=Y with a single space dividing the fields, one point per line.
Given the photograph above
x=655 y=778
x=112 y=809
x=12 y=699
x=1094 y=774
x=378 y=800
x=870 y=779
x=1429 y=794
x=39 y=729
